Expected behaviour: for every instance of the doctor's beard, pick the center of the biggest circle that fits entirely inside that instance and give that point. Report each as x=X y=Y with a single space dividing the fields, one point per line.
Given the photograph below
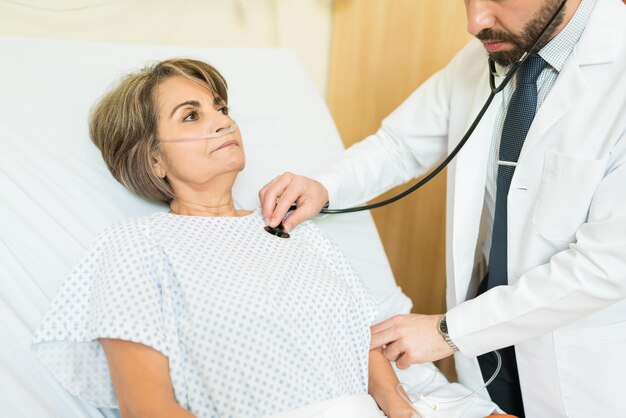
x=521 y=42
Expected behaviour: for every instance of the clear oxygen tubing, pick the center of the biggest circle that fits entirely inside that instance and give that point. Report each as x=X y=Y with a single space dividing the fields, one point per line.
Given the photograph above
x=232 y=128
x=435 y=405
x=494 y=90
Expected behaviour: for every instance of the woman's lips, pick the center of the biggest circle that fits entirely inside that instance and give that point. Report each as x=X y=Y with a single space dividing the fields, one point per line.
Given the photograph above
x=493 y=46
x=227 y=144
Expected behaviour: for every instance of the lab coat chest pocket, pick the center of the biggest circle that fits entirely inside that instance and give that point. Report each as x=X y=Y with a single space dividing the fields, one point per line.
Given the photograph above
x=567 y=187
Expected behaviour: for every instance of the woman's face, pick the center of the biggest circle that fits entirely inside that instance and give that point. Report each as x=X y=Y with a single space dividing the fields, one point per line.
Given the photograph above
x=189 y=110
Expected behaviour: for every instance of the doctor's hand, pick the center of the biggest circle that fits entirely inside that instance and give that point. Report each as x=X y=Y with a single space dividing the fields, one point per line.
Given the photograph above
x=410 y=339
x=285 y=190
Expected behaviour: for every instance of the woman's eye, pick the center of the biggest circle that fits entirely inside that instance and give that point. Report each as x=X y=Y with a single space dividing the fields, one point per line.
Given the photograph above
x=191 y=117
x=224 y=110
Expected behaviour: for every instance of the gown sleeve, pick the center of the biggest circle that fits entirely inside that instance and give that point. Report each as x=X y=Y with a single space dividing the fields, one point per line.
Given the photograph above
x=114 y=292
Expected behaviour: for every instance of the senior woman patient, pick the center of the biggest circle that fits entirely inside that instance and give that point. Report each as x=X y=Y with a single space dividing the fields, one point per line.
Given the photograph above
x=199 y=311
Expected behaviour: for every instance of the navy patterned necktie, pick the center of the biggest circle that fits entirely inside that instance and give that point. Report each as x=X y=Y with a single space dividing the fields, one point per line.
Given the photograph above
x=519 y=116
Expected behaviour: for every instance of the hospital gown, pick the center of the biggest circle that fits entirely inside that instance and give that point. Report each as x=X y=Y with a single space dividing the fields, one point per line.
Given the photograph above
x=251 y=324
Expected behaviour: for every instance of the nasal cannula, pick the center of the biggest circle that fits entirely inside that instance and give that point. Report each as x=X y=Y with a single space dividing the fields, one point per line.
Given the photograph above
x=232 y=128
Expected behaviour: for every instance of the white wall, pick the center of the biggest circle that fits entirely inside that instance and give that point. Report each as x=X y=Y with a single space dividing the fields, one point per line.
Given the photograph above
x=301 y=24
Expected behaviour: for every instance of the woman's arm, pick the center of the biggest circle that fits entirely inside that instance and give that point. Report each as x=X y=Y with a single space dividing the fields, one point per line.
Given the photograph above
x=382 y=386
x=141 y=379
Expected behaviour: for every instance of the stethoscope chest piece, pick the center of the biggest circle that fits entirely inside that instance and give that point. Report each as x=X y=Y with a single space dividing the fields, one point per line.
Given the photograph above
x=279 y=231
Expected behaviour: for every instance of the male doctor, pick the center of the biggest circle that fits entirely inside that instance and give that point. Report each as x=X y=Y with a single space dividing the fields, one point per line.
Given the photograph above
x=539 y=193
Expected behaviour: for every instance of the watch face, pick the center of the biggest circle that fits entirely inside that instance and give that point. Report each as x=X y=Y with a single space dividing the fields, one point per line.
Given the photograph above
x=443 y=325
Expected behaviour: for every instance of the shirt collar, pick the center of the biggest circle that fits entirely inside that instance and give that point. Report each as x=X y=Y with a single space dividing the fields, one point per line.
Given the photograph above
x=558 y=49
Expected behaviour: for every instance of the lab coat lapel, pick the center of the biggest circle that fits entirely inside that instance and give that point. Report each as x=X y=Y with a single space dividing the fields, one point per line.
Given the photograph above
x=568 y=89
x=469 y=188
x=598 y=44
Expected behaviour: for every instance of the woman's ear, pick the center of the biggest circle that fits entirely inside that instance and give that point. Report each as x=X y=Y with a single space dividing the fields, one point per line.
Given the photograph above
x=158 y=165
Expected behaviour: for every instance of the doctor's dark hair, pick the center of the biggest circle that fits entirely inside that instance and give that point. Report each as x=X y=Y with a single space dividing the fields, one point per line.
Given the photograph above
x=123 y=124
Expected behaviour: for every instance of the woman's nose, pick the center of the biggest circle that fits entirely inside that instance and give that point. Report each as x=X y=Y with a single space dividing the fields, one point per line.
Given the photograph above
x=223 y=122
x=480 y=16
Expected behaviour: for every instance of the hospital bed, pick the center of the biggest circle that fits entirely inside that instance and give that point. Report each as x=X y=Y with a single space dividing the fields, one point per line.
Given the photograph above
x=56 y=193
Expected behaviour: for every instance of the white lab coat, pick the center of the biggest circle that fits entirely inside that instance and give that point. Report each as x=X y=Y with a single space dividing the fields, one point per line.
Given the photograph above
x=565 y=307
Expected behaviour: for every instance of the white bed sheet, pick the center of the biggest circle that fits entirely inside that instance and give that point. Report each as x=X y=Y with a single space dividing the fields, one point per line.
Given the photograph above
x=56 y=193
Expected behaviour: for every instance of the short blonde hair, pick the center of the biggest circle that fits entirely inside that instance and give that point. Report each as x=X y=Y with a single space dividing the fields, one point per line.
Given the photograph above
x=123 y=124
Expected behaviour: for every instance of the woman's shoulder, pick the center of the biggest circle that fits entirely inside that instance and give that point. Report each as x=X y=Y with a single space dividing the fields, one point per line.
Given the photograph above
x=133 y=229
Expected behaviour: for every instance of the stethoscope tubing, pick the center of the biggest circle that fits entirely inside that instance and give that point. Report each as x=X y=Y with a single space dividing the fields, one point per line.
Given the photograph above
x=494 y=90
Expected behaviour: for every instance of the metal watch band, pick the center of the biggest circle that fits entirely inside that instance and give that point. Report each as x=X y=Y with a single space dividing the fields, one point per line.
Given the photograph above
x=443 y=331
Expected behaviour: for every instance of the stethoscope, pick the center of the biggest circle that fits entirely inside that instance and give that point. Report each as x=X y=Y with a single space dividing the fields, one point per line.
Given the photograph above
x=279 y=230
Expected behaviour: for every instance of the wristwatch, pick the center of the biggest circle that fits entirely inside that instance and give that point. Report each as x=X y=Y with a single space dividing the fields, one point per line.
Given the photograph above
x=443 y=331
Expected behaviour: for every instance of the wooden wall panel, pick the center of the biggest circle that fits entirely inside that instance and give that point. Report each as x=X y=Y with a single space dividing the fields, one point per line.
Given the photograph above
x=381 y=51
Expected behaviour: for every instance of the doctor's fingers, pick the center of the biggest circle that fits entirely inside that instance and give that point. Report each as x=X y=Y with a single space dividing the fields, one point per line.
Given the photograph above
x=395 y=350
x=392 y=322
x=271 y=194
x=305 y=211
x=309 y=203
x=384 y=337
x=309 y=196
x=405 y=361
